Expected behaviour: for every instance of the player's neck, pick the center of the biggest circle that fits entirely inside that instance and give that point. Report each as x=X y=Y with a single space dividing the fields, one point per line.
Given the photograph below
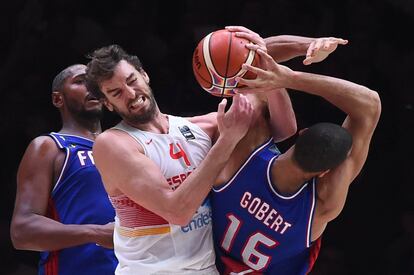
x=286 y=176
x=90 y=129
x=159 y=124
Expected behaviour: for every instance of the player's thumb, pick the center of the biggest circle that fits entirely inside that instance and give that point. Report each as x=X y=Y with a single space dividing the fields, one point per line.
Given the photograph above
x=307 y=61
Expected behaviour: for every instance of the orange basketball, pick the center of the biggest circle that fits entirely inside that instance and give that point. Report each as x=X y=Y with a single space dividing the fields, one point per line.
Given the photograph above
x=217 y=61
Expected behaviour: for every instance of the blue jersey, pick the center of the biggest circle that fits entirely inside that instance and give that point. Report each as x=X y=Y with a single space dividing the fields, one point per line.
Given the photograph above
x=256 y=228
x=79 y=197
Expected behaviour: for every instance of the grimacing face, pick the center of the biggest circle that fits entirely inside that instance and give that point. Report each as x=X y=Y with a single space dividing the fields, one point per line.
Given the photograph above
x=128 y=93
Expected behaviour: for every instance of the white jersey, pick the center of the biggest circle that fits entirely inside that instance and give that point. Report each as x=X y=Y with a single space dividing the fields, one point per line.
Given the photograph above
x=145 y=243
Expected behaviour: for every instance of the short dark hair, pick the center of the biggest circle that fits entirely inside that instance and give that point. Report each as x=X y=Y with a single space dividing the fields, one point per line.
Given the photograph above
x=102 y=65
x=321 y=147
x=60 y=78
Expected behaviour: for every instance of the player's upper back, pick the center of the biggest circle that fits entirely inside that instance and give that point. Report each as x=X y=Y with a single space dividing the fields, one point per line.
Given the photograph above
x=256 y=226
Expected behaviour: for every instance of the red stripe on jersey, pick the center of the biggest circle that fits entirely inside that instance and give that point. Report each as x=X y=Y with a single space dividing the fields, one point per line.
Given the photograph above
x=133 y=215
x=52 y=264
x=235 y=267
x=314 y=252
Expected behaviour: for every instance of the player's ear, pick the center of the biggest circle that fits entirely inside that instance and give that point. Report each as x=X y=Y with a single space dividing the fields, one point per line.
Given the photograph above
x=324 y=173
x=107 y=104
x=145 y=76
x=57 y=99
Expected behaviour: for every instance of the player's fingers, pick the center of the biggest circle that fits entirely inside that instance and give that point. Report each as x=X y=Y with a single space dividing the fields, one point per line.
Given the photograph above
x=311 y=49
x=270 y=64
x=318 y=45
x=340 y=40
x=236 y=103
x=246 y=82
x=246 y=35
x=254 y=38
x=242 y=103
x=329 y=45
x=221 y=108
x=307 y=60
x=252 y=46
x=245 y=90
x=239 y=29
x=252 y=69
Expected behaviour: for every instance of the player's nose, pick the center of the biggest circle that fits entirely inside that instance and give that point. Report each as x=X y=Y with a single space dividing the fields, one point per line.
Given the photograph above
x=129 y=92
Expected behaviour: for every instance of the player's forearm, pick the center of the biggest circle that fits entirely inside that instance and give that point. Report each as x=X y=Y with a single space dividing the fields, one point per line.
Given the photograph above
x=358 y=101
x=189 y=196
x=285 y=47
x=282 y=117
x=38 y=233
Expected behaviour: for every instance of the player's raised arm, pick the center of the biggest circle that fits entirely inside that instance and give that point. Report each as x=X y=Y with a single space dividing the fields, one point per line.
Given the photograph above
x=285 y=47
x=362 y=106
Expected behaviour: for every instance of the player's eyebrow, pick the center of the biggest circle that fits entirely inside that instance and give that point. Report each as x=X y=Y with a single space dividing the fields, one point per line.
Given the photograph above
x=130 y=76
x=112 y=90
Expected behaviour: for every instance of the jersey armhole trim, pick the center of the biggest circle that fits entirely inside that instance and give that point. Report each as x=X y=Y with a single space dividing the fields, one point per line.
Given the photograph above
x=54 y=136
x=311 y=213
x=62 y=171
x=225 y=185
x=135 y=138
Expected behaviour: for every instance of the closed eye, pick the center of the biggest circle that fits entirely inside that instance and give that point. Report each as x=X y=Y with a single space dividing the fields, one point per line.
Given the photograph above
x=132 y=81
x=116 y=93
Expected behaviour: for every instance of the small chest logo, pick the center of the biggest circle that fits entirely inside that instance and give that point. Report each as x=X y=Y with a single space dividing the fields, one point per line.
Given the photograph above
x=186 y=132
x=274 y=149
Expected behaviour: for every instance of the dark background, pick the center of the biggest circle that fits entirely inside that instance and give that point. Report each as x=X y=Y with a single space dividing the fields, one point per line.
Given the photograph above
x=375 y=232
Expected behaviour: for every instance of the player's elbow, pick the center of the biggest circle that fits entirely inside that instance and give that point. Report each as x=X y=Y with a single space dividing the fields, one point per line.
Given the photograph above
x=289 y=131
x=374 y=108
x=19 y=236
x=179 y=213
x=180 y=219
x=377 y=105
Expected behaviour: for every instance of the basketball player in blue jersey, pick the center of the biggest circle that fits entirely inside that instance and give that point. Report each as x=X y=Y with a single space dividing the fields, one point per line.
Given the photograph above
x=61 y=208
x=270 y=210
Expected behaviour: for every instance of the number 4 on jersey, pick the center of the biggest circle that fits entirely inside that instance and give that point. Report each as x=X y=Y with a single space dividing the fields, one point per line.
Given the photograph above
x=180 y=154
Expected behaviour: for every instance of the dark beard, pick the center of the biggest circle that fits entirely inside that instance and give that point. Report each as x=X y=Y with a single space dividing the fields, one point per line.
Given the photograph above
x=147 y=116
x=91 y=114
x=82 y=113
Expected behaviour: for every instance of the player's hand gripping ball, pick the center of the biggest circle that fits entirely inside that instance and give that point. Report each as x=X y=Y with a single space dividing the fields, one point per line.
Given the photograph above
x=218 y=59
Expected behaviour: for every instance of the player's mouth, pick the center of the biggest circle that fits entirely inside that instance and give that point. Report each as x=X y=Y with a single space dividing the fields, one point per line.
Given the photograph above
x=91 y=98
x=138 y=103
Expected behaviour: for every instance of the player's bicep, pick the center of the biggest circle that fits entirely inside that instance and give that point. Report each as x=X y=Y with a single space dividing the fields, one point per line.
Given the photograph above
x=361 y=140
x=127 y=170
x=333 y=187
x=282 y=117
x=35 y=177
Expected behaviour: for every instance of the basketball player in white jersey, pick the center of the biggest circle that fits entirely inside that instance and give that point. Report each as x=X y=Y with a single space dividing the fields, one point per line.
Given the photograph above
x=160 y=228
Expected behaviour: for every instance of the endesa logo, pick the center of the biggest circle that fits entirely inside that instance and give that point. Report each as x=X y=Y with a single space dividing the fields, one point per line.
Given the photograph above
x=200 y=219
